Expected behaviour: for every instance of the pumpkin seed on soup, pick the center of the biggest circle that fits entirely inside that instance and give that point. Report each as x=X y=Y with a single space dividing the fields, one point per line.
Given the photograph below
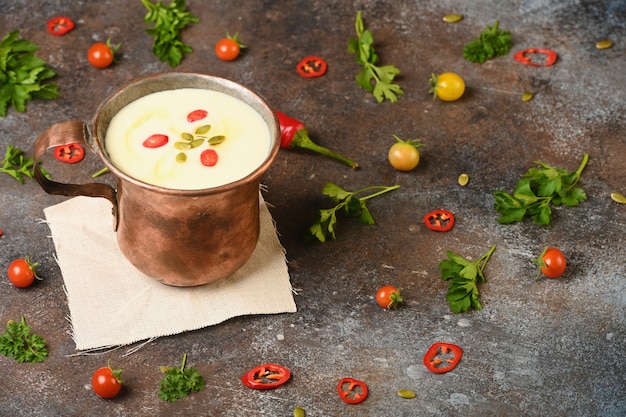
x=216 y=140
x=195 y=143
x=183 y=146
x=203 y=129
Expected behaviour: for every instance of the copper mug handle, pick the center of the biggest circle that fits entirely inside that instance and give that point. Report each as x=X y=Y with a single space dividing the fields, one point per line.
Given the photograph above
x=64 y=133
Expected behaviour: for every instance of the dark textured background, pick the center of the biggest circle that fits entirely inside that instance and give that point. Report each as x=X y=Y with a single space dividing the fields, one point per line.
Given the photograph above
x=538 y=348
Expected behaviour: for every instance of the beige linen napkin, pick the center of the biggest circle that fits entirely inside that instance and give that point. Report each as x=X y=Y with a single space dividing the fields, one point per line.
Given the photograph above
x=112 y=304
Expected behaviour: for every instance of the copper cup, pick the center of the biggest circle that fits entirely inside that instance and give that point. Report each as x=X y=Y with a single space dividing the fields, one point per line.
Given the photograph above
x=178 y=237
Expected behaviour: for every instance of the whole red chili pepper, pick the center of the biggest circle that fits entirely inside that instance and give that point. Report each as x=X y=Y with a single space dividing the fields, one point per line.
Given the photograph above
x=433 y=357
x=294 y=135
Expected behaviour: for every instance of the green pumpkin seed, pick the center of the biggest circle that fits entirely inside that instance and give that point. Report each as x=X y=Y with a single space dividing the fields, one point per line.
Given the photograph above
x=216 y=140
x=183 y=146
x=203 y=129
x=527 y=96
x=181 y=157
x=618 y=198
x=196 y=143
x=463 y=180
x=406 y=393
x=186 y=136
x=298 y=412
x=605 y=44
x=452 y=18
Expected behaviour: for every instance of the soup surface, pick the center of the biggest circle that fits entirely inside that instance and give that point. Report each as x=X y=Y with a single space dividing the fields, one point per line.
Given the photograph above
x=187 y=139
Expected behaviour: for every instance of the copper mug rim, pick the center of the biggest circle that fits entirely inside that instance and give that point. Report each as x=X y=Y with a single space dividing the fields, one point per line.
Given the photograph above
x=94 y=129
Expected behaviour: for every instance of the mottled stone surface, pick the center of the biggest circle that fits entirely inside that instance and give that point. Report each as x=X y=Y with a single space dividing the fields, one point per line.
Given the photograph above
x=538 y=348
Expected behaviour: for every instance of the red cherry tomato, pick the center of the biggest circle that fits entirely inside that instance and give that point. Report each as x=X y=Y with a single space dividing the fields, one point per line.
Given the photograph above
x=228 y=48
x=552 y=263
x=60 y=25
x=388 y=296
x=107 y=382
x=22 y=272
x=100 y=55
x=70 y=154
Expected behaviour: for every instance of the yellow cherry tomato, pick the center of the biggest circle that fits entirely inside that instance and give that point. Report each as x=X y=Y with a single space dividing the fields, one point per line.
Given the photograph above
x=404 y=155
x=448 y=86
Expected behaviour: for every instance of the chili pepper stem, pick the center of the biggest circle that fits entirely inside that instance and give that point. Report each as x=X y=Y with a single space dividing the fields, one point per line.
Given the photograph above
x=302 y=140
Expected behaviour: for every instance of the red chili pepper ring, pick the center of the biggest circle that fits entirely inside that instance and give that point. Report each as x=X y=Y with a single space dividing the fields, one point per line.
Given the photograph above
x=267 y=376
x=70 y=154
x=524 y=57
x=439 y=220
x=60 y=25
x=352 y=391
x=442 y=357
x=312 y=66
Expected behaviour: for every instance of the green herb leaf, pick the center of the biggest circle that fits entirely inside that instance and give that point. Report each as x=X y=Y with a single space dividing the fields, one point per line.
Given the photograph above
x=374 y=79
x=464 y=277
x=18 y=165
x=350 y=203
x=168 y=21
x=537 y=189
x=18 y=342
x=491 y=43
x=178 y=383
x=22 y=73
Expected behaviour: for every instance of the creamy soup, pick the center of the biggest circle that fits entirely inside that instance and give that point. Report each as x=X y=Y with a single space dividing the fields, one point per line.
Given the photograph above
x=187 y=139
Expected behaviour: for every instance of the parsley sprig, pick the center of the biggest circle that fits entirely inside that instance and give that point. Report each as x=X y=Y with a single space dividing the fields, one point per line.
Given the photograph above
x=464 y=275
x=18 y=165
x=168 y=21
x=18 y=342
x=372 y=78
x=491 y=43
x=178 y=383
x=22 y=74
x=537 y=190
x=350 y=203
